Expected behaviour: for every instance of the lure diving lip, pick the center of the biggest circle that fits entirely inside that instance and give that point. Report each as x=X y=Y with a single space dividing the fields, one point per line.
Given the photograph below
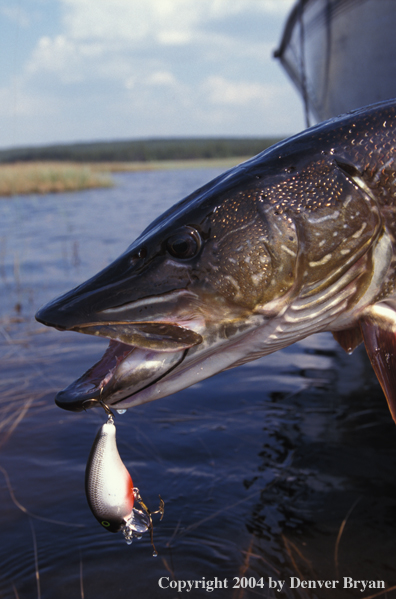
x=110 y=491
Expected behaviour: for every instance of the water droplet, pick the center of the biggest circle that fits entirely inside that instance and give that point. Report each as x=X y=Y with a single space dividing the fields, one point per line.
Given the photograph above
x=121 y=411
x=155 y=553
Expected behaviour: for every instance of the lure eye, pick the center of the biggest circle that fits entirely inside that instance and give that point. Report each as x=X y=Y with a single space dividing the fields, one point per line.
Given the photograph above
x=184 y=244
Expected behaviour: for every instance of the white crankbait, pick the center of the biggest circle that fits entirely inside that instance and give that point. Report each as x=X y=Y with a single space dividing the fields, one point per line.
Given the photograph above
x=110 y=491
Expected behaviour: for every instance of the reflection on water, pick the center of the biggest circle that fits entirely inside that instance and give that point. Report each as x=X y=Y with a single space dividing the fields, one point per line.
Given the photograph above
x=282 y=467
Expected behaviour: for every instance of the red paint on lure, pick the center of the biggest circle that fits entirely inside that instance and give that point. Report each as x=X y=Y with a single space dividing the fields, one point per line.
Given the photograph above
x=108 y=484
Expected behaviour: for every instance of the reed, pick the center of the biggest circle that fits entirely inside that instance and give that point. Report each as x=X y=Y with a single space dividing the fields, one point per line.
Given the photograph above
x=153 y=165
x=49 y=177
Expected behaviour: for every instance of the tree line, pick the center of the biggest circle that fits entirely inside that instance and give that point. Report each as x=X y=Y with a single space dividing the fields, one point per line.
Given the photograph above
x=140 y=150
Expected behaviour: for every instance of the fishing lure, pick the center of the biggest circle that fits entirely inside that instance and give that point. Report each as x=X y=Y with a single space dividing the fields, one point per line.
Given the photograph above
x=110 y=491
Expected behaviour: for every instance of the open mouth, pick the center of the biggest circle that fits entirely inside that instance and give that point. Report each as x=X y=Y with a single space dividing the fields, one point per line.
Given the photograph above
x=153 y=351
x=149 y=338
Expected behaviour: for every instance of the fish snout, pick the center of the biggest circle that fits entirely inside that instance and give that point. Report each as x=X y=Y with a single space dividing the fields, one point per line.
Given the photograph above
x=167 y=322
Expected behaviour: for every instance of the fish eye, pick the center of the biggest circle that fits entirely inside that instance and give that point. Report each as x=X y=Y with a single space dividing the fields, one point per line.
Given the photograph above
x=184 y=244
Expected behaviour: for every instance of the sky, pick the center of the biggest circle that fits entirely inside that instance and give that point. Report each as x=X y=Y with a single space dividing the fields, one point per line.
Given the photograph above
x=86 y=70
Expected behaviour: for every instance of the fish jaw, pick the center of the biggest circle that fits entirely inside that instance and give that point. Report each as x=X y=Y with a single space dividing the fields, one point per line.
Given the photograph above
x=139 y=353
x=164 y=323
x=122 y=371
x=127 y=375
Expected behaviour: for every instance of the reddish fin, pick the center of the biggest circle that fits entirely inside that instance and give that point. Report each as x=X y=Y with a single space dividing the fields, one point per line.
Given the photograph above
x=379 y=334
x=349 y=339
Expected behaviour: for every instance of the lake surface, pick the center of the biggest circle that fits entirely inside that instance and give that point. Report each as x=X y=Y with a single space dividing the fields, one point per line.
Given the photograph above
x=284 y=467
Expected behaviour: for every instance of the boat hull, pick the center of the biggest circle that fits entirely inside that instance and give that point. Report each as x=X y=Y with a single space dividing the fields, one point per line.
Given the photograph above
x=341 y=54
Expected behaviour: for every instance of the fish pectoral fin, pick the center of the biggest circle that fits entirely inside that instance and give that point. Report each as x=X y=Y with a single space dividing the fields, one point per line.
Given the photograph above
x=378 y=326
x=349 y=339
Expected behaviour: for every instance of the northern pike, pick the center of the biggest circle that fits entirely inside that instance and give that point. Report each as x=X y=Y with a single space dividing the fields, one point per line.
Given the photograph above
x=297 y=240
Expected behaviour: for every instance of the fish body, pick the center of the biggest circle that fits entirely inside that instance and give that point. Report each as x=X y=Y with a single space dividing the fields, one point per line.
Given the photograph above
x=297 y=240
x=108 y=484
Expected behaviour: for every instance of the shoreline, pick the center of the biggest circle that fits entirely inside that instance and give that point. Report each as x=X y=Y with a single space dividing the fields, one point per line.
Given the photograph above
x=42 y=177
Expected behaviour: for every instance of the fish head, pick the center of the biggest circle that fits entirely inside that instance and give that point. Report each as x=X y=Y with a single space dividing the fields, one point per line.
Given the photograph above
x=180 y=296
x=289 y=243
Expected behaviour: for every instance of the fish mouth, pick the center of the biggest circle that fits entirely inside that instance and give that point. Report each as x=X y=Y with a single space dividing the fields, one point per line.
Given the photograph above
x=182 y=339
x=149 y=337
x=140 y=353
x=128 y=375
x=123 y=371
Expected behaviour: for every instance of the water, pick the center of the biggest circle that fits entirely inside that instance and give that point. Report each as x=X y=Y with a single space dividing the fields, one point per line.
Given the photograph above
x=259 y=466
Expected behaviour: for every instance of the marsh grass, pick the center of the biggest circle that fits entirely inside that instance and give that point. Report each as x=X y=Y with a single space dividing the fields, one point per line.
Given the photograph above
x=51 y=177
x=154 y=165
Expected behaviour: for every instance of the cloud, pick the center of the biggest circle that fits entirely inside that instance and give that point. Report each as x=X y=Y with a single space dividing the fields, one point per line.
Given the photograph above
x=130 y=68
x=129 y=21
x=16 y=14
x=223 y=91
x=14 y=103
x=169 y=21
x=60 y=56
x=93 y=29
x=131 y=40
x=161 y=78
